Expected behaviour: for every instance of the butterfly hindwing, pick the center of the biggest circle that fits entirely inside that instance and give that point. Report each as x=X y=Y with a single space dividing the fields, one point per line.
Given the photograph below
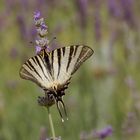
x=55 y=67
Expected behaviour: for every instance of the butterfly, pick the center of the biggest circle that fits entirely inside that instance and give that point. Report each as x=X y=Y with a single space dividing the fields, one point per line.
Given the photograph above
x=53 y=70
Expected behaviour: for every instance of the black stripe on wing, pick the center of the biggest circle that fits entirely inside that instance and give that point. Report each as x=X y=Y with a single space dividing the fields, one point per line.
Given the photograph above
x=59 y=60
x=63 y=49
x=52 y=60
x=85 y=53
x=23 y=71
x=48 y=63
x=38 y=59
x=25 y=74
x=35 y=70
x=30 y=65
x=76 y=47
x=34 y=59
x=38 y=63
x=70 y=56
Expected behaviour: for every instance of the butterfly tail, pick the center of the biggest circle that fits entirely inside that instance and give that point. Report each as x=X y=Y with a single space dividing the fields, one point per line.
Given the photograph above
x=61 y=106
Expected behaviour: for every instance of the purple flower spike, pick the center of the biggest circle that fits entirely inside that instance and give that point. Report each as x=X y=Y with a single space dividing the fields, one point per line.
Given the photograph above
x=42 y=31
x=37 y=15
x=44 y=26
x=105 y=132
x=38 y=49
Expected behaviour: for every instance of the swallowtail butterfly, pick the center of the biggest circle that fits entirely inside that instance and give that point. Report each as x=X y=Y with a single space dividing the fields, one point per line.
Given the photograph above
x=52 y=71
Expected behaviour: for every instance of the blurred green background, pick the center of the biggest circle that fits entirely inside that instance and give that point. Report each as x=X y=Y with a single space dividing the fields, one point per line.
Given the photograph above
x=106 y=89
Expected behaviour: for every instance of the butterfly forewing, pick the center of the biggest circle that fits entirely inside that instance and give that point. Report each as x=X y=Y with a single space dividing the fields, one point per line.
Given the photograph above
x=70 y=59
x=85 y=53
x=36 y=70
x=55 y=67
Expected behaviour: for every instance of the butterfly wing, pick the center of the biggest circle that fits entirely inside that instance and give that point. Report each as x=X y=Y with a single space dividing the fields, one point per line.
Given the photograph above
x=36 y=70
x=56 y=67
x=67 y=60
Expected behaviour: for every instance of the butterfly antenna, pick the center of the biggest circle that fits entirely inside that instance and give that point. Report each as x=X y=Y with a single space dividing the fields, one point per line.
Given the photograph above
x=51 y=40
x=32 y=43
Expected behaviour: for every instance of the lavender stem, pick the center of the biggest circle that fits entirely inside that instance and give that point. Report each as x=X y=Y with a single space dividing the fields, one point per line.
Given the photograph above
x=51 y=123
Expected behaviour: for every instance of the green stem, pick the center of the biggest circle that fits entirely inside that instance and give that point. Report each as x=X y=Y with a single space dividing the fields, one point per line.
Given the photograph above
x=51 y=123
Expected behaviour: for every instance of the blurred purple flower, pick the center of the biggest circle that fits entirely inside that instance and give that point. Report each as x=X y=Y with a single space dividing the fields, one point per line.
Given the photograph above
x=130 y=125
x=11 y=84
x=3 y=20
x=97 y=25
x=24 y=4
x=32 y=33
x=13 y=52
x=42 y=4
x=114 y=8
x=130 y=82
x=43 y=134
x=97 y=19
x=10 y=5
x=22 y=27
x=105 y=132
x=127 y=7
x=83 y=135
x=82 y=9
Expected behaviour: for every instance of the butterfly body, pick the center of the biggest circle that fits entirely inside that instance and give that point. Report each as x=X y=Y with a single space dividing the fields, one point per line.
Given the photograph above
x=52 y=71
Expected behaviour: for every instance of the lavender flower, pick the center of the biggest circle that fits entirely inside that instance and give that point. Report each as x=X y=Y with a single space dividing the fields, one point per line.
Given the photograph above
x=24 y=4
x=37 y=15
x=22 y=26
x=82 y=6
x=114 y=8
x=42 y=30
x=105 y=132
x=42 y=42
x=43 y=133
x=38 y=49
x=97 y=25
x=127 y=6
x=97 y=19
